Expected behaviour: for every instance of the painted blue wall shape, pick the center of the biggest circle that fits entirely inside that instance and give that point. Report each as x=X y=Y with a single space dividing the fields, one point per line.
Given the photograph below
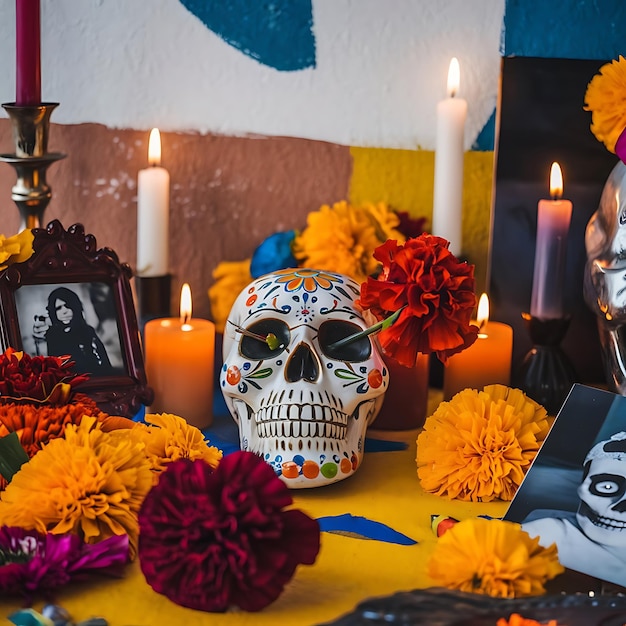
x=564 y=29
x=277 y=33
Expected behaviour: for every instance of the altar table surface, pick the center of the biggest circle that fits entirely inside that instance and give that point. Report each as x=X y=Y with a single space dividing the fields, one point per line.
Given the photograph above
x=348 y=570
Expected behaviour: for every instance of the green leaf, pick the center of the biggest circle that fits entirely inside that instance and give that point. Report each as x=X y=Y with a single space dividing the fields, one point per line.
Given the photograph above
x=347 y=374
x=264 y=373
x=12 y=455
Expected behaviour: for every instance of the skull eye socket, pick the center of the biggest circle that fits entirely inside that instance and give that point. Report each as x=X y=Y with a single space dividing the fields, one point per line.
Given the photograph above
x=607 y=485
x=257 y=348
x=334 y=330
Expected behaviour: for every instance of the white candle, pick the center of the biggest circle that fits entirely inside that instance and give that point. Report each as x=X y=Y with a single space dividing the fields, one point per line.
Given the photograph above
x=449 y=153
x=153 y=205
x=553 y=220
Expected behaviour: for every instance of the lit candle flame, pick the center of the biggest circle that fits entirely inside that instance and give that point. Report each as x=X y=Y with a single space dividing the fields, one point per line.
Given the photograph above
x=482 y=315
x=154 y=147
x=556 y=181
x=185 y=304
x=454 y=77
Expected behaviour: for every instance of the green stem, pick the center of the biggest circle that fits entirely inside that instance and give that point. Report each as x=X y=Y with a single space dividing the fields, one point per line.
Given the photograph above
x=382 y=325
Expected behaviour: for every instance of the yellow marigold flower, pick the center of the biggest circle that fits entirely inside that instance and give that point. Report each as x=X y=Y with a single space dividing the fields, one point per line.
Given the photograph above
x=230 y=278
x=606 y=99
x=16 y=249
x=91 y=483
x=479 y=445
x=170 y=438
x=342 y=238
x=494 y=558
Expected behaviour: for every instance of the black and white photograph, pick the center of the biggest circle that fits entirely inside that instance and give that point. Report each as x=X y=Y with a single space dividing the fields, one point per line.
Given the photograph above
x=574 y=494
x=75 y=319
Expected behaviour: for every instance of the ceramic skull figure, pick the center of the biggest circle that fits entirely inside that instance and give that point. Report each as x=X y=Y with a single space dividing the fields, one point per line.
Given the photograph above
x=602 y=511
x=605 y=275
x=300 y=402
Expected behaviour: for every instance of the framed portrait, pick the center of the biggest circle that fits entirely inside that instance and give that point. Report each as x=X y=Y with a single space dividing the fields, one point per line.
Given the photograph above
x=73 y=298
x=574 y=494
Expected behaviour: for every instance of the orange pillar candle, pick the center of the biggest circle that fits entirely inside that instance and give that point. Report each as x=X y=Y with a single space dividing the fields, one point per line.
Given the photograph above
x=179 y=364
x=487 y=361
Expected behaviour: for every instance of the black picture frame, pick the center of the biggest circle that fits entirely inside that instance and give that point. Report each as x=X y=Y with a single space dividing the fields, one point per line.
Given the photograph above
x=70 y=259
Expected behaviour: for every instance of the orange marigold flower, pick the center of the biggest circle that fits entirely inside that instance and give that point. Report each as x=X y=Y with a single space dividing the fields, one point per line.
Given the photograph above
x=606 y=99
x=169 y=438
x=342 y=238
x=90 y=483
x=36 y=424
x=494 y=558
x=479 y=445
x=16 y=249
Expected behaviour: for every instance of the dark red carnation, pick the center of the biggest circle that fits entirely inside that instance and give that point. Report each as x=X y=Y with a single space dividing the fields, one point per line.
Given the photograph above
x=436 y=291
x=410 y=226
x=34 y=377
x=211 y=540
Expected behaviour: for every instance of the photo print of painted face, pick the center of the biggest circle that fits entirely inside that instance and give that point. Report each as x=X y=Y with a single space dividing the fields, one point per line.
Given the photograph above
x=574 y=495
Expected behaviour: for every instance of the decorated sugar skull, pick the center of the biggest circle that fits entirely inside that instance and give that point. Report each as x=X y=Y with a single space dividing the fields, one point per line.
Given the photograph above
x=602 y=510
x=302 y=401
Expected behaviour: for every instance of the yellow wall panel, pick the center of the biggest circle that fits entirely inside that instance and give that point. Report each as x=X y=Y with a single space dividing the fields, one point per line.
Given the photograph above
x=404 y=179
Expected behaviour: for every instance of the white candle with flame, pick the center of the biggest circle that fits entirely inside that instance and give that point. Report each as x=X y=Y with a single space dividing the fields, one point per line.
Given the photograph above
x=449 y=154
x=553 y=220
x=180 y=354
x=153 y=204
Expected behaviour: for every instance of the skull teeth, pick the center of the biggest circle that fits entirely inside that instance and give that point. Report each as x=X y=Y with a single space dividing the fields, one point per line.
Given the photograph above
x=293 y=428
x=308 y=420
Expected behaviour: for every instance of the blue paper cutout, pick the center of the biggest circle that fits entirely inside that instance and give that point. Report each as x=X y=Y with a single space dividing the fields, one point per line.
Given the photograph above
x=362 y=528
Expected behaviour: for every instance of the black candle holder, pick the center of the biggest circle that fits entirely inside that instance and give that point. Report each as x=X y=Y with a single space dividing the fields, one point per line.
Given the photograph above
x=153 y=298
x=546 y=374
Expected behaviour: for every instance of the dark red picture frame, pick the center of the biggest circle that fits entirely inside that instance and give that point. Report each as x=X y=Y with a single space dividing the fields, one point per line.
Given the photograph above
x=72 y=256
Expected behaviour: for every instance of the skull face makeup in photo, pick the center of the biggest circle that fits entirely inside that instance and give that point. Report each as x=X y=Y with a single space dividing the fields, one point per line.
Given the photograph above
x=301 y=402
x=591 y=538
x=602 y=510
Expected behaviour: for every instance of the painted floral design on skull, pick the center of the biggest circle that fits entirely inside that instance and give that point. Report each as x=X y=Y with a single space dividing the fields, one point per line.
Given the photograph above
x=300 y=402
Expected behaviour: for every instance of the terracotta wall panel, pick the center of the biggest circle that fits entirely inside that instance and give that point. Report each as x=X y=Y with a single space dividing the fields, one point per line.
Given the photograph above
x=227 y=193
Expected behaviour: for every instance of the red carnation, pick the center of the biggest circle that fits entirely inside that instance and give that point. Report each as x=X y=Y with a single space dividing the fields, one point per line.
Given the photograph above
x=213 y=539
x=27 y=378
x=435 y=292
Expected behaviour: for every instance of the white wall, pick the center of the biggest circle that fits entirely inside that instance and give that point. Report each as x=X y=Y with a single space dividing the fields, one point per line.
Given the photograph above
x=381 y=68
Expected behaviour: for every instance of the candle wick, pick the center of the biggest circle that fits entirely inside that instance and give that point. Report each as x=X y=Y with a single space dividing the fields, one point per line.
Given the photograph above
x=184 y=318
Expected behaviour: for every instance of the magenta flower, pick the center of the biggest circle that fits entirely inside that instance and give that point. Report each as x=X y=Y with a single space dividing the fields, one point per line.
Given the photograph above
x=210 y=540
x=32 y=562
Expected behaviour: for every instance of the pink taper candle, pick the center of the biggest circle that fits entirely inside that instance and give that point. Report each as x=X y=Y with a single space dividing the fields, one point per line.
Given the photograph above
x=27 y=53
x=553 y=221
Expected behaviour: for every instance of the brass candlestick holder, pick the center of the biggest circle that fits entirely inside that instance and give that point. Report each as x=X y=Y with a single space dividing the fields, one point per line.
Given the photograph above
x=31 y=193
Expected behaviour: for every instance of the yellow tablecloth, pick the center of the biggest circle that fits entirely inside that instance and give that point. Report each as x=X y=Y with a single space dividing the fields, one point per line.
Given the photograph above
x=348 y=570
